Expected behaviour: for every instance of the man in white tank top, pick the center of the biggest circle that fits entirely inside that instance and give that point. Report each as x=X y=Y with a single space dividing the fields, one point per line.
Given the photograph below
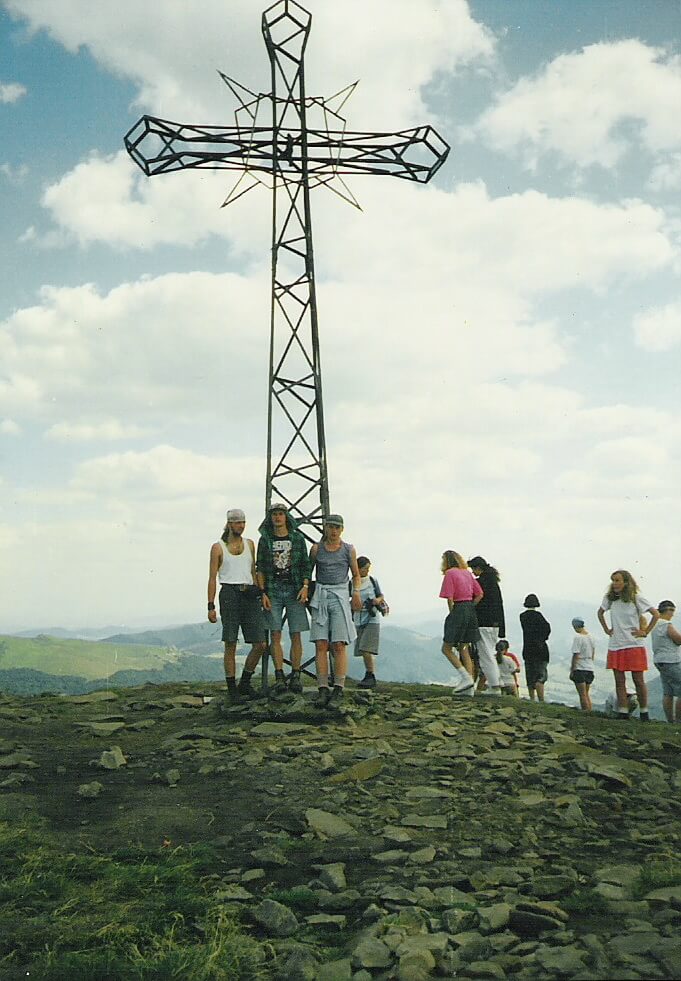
x=232 y=562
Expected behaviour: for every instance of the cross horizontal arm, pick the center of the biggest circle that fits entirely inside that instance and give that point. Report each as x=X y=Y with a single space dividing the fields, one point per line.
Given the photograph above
x=159 y=146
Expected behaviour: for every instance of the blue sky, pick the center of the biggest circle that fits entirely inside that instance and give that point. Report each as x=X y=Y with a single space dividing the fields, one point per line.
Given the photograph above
x=519 y=321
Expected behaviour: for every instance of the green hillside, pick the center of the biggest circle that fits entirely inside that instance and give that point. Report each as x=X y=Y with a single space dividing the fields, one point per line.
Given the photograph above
x=84 y=658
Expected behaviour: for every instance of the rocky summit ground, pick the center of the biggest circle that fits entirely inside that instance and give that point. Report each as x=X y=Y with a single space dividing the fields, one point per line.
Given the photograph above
x=152 y=833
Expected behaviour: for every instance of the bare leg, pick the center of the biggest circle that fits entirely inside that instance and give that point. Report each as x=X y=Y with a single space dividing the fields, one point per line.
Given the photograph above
x=296 y=651
x=256 y=652
x=668 y=706
x=539 y=685
x=641 y=690
x=276 y=649
x=368 y=662
x=588 y=698
x=531 y=692
x=448 y=651
x=321 y=657
x=340 y=662
x=230 y=660
x=584 y=700
x=466 y=659
x=621 y=691
x=678 y=709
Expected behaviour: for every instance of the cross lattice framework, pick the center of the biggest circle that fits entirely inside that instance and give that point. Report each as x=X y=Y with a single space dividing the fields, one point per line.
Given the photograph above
x=297 y=157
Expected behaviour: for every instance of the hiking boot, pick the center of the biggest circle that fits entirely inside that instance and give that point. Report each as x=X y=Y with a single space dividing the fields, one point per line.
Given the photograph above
x=295 y=685
x=368 y=681
x=335 y=698
x=279 y=686
x=245 y=691
x=232 y=697
x=322 y=697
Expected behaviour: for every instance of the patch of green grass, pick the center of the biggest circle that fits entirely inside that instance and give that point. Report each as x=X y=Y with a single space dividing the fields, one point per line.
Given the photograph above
x=584 y=901
x=299 y=897
x=132 y=916
x=656 y=875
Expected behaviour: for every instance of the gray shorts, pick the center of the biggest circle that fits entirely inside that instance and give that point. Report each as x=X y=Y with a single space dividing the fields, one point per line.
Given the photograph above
x=670 y=676
x=282 y=596
x=368 y=639
x=241 y=608
x=334 y=626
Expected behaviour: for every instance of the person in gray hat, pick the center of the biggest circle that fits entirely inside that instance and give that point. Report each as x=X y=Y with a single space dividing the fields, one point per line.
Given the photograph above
x=232 y=563
x=331 y=608
x=283 y=571
x=582 y=665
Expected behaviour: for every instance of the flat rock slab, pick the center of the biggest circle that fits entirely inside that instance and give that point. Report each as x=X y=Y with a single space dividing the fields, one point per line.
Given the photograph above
x=326 y=825
x=364 y=770
x=425 y=821
x=278 y=728
x=93 y=696
x=101 y=728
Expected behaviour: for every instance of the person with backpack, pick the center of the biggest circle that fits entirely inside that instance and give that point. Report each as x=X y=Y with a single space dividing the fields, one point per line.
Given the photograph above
x=368 y=621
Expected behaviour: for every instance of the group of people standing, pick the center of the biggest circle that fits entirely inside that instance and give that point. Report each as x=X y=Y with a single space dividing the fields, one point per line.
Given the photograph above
x=344 y=603
x=475 y=627
x=257 y=588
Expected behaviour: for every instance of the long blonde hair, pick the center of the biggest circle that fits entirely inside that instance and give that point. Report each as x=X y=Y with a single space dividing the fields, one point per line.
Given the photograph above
x=628 y=594
x=452 y=560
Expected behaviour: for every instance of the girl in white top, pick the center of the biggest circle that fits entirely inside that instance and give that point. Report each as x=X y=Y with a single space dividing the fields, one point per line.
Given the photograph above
x=625 y=652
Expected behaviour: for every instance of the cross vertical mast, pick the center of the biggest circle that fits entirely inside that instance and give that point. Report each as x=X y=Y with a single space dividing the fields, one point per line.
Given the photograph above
x=297 y=474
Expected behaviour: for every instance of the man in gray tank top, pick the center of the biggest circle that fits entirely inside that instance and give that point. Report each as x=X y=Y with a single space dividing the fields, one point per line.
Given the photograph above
x=232 y=561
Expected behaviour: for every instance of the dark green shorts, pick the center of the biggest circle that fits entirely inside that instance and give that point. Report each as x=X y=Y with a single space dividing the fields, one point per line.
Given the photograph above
x=241 y=608
x=461 y=625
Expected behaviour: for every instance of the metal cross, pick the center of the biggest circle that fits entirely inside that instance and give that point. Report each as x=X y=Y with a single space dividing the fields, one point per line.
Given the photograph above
x=297 y=157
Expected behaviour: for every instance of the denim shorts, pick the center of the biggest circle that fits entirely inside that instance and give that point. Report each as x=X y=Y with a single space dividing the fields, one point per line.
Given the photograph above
x=282 y=596
x=670 y=676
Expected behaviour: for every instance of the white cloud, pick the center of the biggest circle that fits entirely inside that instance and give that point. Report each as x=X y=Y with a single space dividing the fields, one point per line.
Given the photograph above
x=83 y=432
x=578 y=104
x=171 y=58
x=8 y=427
x=659 y=329
x=11 y=92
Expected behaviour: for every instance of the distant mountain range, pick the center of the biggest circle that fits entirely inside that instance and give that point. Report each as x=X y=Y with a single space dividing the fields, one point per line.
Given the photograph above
x=193 y=652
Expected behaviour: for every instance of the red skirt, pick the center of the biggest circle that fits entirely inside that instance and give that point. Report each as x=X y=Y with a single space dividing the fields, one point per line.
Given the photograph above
x=628 y=659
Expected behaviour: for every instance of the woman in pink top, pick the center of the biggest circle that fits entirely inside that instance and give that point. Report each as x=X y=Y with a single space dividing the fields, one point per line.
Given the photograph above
x=462 y=591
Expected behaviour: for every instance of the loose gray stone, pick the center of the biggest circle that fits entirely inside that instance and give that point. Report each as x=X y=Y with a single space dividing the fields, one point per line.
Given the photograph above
x=276 y=919
x=270 y=857
x=327 y=825
x=334 y=923
x=332 y=876
x=89 y=790
x=563 y=961
x=371 y=953
x=112 y=759
x=336 y=970
x=300 y=965
x=494 y=918
x=416 y=965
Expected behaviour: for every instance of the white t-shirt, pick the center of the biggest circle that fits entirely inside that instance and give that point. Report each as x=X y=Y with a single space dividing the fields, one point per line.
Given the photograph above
x=507 y=670
x=585 y=649
x=665 y=651
x=624 y=617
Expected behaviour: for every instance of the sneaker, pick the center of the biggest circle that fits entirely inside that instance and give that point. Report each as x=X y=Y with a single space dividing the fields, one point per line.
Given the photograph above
x=368 y=681
x=322 y=697
x=463 y=687
x=295 y=685
x=335 y=698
